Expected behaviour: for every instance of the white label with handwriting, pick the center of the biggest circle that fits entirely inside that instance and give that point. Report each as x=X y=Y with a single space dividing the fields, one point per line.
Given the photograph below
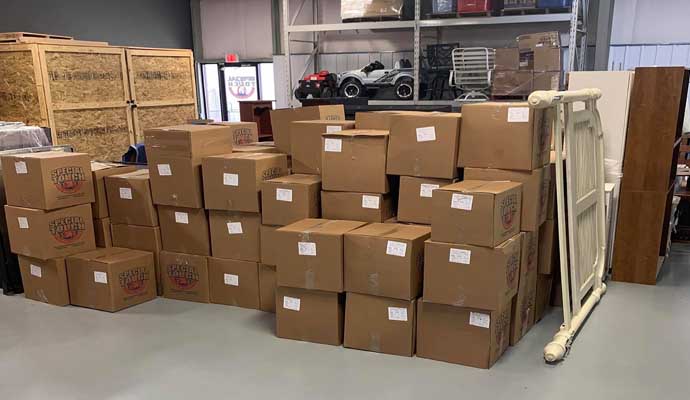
x=231 y=280
x=459 y=256
x=100 y=277
x=181 y=217
x=370 y=201
x=164 y=170
x=306 y=248
x=427 y=189
x=397 y=314
x=231 y=179
x=333 y=145
x=518 y=114
x=480 y=319
x=333 y=128
x=461 y=201
x=284 y=194
x=126 y=193
x=291 y=303
x=235 y=228
x=23 y=222
x=36 y=271
x=394 y=248
x=20 y=167
x=426 y=134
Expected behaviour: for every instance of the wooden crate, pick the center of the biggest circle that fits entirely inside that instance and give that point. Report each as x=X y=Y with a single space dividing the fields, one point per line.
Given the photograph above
x=22 y=97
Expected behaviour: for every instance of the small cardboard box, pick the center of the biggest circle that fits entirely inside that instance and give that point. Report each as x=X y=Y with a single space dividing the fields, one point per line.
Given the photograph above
x=282 y=118
x=355 y=161
x=267 y=287
x=242 y=132
x=50 y=234
x=493 y=273
x=543 y=297
x=235 y=235
x=111 y=279
x=522 y=310
x=309 y=315
x=188 y=141
x=385 y=260
x=548 y=247
x=535 y=191
x=424 y=144
x=233 y=181
x=290 y=198
x=367 y=207
x=504 y=136
x=102 y=233
x=130 y=200
x=310 y=254
x=269 y=253
x=472 y=337
x=45 y=280
x=185 y=230
x=234 y=282
x=146 y=238
x=305 y=142
x=48 y=180
x=99 y=170
x=415 y=198
x=185 y=276
x=176 y=181
x=377 y=120
x=481 y=213
x=380 y=324
x=507 y=58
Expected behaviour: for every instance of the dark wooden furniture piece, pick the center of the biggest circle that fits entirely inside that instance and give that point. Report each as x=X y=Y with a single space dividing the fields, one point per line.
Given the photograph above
x=258 y=111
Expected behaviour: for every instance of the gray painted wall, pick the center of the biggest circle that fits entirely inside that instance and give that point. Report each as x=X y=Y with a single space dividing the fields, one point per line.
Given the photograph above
x=650 y=21
x=149 y=23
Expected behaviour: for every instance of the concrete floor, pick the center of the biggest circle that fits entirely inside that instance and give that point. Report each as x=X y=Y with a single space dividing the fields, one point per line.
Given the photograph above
x=636 y=345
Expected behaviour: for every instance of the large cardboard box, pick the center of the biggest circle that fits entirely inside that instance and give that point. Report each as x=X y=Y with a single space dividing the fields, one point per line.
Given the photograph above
x=504 y=136
x=48 y=180
x=267 y=288
x=235 y=235
x=269 y=253
x=377 y=120
x=548 y=80
x=548 y=247
x=424 y=144
x=99 y=170
x=290 y=198
x=368 y=207
x=185 y=276
x=257 y=147
x=471 y=337
x=282 y=118
x=472 y=276
x=147 y=238
x=415 y=198
x=130 y=199
x=45 y=280
x=551 y=201
x=310 y=254
x=543 y=296
x=385 y=260
x=309 y=315
x=535 y=191
x=522 y=309
x=111 y=279
x=380 y=324
x=102 y=233
x=242 y=132
x=305 y=143
x=507 y=58
x=50 y=234
x=176 y=181
x=512 y=83
x=481 y=213
x=528 y=44
x=233 y=181
x=355 y=161
x=234 y=282
x=185 y=230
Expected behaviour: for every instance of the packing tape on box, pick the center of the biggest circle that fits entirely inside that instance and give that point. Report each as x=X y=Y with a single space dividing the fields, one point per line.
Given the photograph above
x=309 y=279
x=375 y=342
x=373 y=282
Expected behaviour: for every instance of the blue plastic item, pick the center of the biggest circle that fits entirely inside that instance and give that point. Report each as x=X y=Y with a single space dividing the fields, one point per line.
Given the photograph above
x=554 y=3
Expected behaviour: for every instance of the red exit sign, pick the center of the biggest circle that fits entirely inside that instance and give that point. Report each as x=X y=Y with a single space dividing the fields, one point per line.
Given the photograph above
x=232 y=58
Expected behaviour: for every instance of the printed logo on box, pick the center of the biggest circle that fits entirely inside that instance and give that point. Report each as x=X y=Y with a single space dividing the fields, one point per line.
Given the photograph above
x=508 y=210
x=134 y=281
x=183 y=277
x=68 y=229
x=68 y=180
x=242 y=135
x=512 y=269
x=271 y=173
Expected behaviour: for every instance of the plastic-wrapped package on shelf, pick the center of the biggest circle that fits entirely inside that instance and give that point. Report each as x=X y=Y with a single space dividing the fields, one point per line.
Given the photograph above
x=16 y=135
x=375 y=9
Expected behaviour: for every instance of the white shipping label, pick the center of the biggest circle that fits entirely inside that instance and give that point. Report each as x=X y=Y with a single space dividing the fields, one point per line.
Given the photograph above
x=426 y=189
x=459 y=256
x=397 y=314
x=20 y=167
x=231 y=280
x=394 y=248
x=164 y=170
x=333 y=145
x=100 y=277
x=235 y=228
x=461 y=201
x=426 y=134
x=306 y=248
x=370 y=201
x=181 y=217
x=333 y=128
x=480 y=319
x=291 y=303
x=284 y=194
x=36 y=271
x=518 y=114
x=231 y=179
x=23 y=222
x=126 y=193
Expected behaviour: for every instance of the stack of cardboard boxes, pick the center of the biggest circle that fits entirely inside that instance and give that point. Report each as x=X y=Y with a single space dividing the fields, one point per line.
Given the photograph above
x=548 y=277
x=99 y=208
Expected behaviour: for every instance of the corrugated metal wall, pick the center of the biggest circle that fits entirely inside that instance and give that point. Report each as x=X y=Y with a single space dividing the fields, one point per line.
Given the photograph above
x=626 y=57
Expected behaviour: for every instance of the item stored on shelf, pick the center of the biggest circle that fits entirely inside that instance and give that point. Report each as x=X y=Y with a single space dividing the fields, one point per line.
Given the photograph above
x=474 y=6
x=518 y=4
x=375 y=9
x=554 y=3
x=444 y=7
x=507 y=59
x=515 y=83
x=529 y=43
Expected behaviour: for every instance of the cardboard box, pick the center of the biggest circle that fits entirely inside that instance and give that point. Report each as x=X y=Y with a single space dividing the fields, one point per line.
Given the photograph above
x=130 y=199
x=102 y=234
x=50 y=234
x=522 y=309
x=546 y=81
x=551 y=207
x=233 y=181
x=512 y=83
x=305 y=143
x=99 y=170
x=256 y=147
x=267 y=288
x=111 y=279
x=547 y=59
x=185 y=230
x=535 y=191
x=290 y=198
x=376 y=120
x=234 y=282
x=269 y=253
x=310 y=254
x=235 y=235
x=45 y=280
x=385 y=260
x=368 y=207
x=480 y=213
x=176 y=181
x=281 y=120
x=48 y=180
x=507 y=58
x=543 y=296
x=471 y=337
x=309 y=315
x=424 y=144
x=548 y=247
x=414 y=198
x=355 y=161
x=146 y=238
x=185 y=276
x=380 y=324
x=242 y=132
x=190 y=142
x=529 y=43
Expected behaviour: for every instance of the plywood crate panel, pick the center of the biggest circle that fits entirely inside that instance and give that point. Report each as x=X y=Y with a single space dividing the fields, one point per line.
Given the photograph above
x=104 y=133
x=21 y=87
x=156 y=116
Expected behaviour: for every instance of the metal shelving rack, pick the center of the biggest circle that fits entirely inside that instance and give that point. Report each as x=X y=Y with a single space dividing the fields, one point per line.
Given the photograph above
x=577 y=20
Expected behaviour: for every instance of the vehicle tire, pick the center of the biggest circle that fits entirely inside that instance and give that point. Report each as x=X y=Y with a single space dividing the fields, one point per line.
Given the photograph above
x=326 y=92
x=300 y=94
x=351 y=88
x=404 y=89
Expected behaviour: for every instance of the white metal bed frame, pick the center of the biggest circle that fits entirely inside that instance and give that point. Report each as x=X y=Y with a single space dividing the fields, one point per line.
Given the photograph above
x=582 y=228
